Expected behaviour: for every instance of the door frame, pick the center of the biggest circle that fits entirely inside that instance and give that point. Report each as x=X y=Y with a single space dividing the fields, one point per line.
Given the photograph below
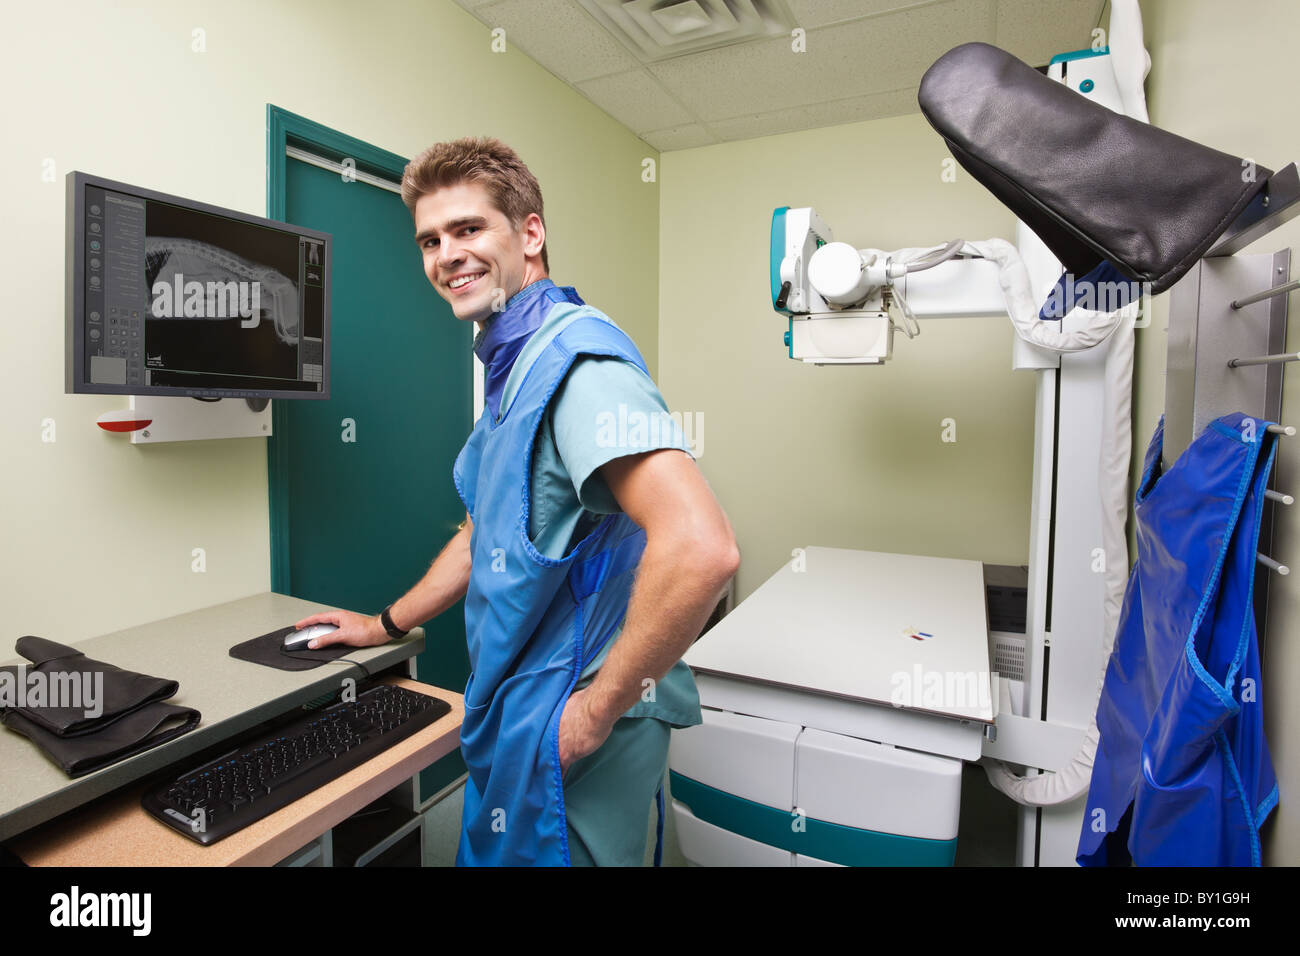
x=285 y=129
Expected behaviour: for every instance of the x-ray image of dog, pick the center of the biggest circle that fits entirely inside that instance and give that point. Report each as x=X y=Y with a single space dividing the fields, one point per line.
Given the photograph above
x=231 y=286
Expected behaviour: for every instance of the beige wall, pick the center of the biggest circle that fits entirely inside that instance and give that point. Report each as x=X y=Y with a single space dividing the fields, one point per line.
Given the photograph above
x=98 y=534
x=843 y=457
x=1221 y=75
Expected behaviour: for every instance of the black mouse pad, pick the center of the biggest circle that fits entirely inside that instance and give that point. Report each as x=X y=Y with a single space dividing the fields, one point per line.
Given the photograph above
x=269 y=650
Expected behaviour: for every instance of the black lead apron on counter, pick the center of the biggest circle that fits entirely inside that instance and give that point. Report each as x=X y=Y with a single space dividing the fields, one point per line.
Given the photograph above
x=86 y=714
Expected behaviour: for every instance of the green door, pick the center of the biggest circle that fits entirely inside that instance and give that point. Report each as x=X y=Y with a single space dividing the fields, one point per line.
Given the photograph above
x=362 y=497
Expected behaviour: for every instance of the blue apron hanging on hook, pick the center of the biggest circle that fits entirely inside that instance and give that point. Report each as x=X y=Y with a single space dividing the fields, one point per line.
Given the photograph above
x=532 y=623
x=1182 y=774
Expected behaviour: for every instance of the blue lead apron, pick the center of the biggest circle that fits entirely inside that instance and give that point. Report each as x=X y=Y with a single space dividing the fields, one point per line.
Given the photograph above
x=1182 y=774
x=532 y=623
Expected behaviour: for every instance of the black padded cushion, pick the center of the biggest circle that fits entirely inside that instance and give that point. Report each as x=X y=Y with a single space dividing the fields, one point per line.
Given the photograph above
x=1092 y=183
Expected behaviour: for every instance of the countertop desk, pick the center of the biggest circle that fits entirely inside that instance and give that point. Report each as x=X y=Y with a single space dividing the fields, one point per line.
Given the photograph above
x=109 y=827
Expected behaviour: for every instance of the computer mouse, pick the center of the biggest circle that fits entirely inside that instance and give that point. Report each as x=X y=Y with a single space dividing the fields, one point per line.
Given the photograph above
x=298 y=640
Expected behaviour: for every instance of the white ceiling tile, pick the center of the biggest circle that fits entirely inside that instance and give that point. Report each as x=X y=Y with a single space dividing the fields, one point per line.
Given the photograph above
x=1037 y=30
x=864 y=60
x=894 y=51
x=635 y=99
x=680 y=137
x=723 y=82
x=866 y=56
x=559 y=35
x=819 y=13
x=852 y=110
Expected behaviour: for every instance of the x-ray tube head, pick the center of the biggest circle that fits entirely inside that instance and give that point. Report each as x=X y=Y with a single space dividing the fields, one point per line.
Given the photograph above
x=839 y=274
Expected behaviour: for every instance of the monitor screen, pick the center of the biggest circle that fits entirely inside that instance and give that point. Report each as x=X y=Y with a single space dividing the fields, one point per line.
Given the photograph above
x=167 y=296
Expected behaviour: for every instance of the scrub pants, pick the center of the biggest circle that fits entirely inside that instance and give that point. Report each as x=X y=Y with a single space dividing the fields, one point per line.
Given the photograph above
x=608 y=794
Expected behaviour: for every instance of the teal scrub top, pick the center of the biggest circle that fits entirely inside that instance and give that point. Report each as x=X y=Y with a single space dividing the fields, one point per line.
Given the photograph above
x=601 y=398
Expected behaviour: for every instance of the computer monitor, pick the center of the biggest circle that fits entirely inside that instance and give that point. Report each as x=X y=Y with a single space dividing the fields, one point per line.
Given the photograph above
x=168 y=296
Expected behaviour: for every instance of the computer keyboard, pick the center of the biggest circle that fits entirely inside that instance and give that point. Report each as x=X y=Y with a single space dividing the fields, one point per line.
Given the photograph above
x=259 y=777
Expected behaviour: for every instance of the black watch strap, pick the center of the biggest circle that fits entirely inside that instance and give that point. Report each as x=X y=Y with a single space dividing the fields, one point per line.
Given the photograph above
x=387 y=620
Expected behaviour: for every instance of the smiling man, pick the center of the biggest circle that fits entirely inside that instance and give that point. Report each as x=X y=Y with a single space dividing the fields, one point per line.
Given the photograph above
x=587 y=567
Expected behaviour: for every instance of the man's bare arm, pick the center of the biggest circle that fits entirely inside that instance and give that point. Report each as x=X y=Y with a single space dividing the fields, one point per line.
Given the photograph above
x=689 y=557
x=443 y=585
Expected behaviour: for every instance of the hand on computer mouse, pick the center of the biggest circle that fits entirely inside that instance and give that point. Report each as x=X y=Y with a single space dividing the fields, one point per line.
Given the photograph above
x=355 y=630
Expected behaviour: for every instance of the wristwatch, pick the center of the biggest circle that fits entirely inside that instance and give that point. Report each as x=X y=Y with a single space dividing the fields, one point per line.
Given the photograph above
x=387 y=620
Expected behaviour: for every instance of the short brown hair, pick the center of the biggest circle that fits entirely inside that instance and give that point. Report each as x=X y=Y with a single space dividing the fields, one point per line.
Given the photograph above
x=510 y=184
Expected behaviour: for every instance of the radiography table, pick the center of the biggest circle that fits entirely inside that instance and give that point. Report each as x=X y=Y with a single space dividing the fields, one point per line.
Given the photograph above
x=840 y=699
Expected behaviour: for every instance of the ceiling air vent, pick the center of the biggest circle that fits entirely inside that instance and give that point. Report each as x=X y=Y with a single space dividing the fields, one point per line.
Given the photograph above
x=659 y=29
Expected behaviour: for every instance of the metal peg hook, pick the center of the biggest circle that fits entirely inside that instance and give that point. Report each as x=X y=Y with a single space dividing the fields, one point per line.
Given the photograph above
x=1268 y=562
x=1266 y=294
x=1272 y=495
x=1264 y=359
x=1285 y=430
